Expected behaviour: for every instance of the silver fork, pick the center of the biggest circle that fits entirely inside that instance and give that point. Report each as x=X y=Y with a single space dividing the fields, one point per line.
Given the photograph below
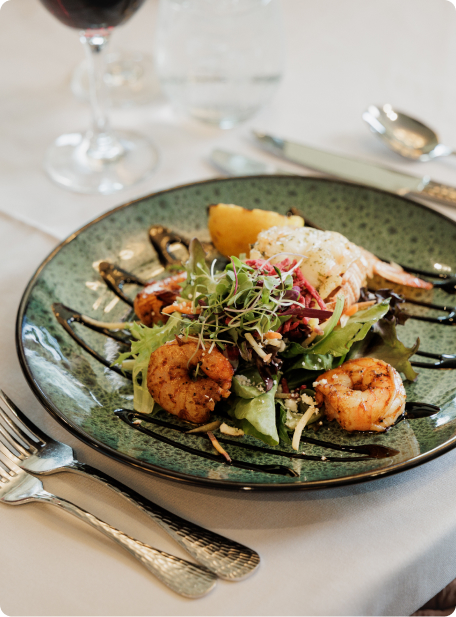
x=38 y=453
x=187 y=579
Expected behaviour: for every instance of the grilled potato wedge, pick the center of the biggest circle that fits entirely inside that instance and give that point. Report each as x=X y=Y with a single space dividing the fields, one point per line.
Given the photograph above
x=233 y=228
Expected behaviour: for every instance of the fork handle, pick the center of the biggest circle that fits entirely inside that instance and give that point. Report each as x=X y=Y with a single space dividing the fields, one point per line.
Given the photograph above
x=226 y=558
x=183 y=577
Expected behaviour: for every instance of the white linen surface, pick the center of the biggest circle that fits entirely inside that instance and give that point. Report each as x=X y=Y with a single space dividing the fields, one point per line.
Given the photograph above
x=379 y=548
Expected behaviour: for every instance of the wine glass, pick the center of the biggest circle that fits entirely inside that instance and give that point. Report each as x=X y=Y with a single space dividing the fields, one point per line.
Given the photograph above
x=100 y=160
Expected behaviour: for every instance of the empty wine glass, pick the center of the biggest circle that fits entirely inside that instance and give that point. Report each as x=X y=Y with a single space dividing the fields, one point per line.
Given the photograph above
x=100 y=160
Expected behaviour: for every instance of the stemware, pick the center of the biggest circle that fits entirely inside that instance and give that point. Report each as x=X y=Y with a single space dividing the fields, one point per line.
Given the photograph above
x=99 y=160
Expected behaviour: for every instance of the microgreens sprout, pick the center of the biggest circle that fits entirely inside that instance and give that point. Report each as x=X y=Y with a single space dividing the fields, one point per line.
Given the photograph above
x=235 y=276
x=239 y=300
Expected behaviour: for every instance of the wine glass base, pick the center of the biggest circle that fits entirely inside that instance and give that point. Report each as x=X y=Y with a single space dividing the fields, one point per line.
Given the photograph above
x=68 y=164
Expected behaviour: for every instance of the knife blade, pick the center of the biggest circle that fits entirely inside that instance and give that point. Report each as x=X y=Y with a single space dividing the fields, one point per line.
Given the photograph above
x=356 y=170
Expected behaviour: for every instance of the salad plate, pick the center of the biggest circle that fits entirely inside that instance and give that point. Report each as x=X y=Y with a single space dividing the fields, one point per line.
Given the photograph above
x=86 y=395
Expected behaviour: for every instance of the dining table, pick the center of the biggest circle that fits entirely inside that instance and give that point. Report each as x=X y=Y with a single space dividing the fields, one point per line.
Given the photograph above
x=380 y=547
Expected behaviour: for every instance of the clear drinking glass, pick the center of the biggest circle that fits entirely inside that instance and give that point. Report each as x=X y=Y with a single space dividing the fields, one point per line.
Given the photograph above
x=219 y=60
x=100 y=160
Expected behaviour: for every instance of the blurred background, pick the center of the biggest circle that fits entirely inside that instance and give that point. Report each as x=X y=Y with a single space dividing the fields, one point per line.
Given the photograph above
x=339 y=58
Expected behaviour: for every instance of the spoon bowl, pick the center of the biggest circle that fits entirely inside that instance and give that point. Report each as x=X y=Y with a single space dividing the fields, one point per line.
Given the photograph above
x=405 y=135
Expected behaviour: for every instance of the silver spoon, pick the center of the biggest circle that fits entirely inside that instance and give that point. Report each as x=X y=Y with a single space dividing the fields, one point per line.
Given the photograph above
x=408 y=137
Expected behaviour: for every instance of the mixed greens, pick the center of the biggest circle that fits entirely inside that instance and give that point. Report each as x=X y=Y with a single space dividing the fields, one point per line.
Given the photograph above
x=277 y=333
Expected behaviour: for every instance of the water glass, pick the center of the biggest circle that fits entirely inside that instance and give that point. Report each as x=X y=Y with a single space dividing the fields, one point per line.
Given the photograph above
x=219 y=60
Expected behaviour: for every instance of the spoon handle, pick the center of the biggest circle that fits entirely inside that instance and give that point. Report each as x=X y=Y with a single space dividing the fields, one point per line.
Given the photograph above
x=440 y=192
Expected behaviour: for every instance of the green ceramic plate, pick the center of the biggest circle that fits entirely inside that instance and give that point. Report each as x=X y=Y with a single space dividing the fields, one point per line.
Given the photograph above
x=82 y=393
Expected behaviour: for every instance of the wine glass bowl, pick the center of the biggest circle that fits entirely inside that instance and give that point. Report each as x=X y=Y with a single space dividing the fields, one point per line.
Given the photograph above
x=92 y=14
x=100 y=160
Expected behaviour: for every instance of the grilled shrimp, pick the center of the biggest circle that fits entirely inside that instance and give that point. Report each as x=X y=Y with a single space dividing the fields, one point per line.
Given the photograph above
x=171 y=384
x=154 y=297
x=362 y=395
x=331 y=263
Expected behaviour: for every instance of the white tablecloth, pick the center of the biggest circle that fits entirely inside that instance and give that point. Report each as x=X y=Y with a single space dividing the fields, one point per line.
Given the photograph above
x=379 y=548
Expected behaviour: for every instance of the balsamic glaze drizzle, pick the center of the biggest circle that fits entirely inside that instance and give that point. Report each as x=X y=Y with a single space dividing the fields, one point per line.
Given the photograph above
x=415 y=409
x=372 y=451
x=126 y=414
x=115 y=278
x=66 y=316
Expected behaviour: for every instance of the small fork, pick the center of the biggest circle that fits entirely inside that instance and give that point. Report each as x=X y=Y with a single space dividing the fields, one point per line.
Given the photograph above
x=187 y=579
x=36 y=452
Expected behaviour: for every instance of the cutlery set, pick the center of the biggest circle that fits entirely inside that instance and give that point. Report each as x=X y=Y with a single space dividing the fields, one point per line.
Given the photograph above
x=26 y=450
x=404 y=135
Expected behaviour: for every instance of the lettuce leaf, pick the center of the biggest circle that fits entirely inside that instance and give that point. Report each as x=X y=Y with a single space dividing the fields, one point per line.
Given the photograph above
x=314 y=362
x=247 y=391
x=199 y=280
x=257 y=416
x=340 y=340
x=330 y=351
x=371 y=314
x=382 y=343
x=329 y=325
x=281 y=426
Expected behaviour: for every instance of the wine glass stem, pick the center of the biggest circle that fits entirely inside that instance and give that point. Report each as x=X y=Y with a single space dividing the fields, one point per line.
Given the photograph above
x=102 y=142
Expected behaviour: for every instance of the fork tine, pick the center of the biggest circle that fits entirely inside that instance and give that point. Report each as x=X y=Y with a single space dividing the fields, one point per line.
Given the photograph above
x=14 y=428
x=3 y=476
x=7 y=429
x=12 y=436
x=20 y=420
x=6 y=449
x=10 y=466
x=10 y=443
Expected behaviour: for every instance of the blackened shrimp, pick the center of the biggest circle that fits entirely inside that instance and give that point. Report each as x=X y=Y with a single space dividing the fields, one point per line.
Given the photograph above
x=362 y=395
x=172 y=382
x=150 y=302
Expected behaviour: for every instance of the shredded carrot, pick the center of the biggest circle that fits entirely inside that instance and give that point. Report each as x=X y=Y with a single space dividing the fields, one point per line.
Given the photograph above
x=359 y=306
x=182 y=307
x=272 y=335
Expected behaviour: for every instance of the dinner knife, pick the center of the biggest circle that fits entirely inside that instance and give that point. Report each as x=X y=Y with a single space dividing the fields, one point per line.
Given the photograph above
x=356 y=170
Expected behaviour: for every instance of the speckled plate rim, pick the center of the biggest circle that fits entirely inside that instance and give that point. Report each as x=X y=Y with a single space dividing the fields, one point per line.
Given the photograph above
x=175 y=475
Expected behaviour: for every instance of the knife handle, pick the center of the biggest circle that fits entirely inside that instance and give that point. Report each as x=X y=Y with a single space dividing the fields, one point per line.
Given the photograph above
x=440 y=192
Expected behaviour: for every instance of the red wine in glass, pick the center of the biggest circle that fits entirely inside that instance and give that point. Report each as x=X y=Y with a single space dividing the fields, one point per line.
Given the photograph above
x=92 y=14
x=100 y=160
